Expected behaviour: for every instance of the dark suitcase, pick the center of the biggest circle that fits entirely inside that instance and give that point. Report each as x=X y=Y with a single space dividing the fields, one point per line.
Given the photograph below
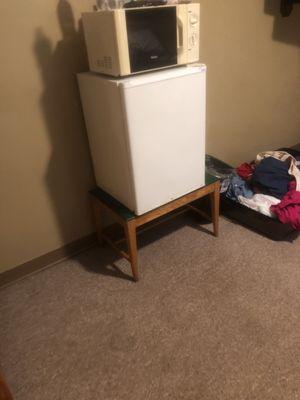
x=266 y=226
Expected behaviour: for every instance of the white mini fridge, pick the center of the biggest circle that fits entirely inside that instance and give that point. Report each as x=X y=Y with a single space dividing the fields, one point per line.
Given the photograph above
x=147 y=134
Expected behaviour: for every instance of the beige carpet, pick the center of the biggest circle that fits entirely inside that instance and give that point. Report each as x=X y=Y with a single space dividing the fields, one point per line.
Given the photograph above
x=211 y=319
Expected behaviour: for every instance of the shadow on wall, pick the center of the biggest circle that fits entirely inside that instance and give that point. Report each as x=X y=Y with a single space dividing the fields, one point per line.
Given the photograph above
x=69 y=174
x=286 y=29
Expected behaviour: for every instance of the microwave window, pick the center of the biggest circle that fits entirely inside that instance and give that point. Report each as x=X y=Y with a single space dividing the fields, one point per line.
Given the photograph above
x=152 y=38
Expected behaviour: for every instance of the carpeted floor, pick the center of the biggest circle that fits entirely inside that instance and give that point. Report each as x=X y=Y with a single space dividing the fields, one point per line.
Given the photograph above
x=210 y=319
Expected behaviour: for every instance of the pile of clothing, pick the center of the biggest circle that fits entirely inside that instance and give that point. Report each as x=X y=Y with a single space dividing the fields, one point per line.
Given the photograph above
x=270 y=185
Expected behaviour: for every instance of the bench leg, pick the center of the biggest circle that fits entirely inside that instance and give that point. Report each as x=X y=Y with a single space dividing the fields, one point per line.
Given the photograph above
x=98 y=220
x=130 y=232
x=5 y=393
x=215 y=207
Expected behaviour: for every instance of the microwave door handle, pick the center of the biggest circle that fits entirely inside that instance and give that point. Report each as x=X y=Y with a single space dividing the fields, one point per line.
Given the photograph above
x=179 y=33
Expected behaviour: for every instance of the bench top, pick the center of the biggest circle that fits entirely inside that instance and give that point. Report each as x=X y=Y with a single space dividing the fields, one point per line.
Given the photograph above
x=122 y=210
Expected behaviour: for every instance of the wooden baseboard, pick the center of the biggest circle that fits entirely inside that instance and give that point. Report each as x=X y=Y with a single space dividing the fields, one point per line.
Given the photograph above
x=47 y=260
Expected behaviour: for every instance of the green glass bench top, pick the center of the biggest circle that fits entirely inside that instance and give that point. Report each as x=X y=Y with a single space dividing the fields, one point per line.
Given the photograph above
x=122 y=210
x=209 y=179
x=112 y=203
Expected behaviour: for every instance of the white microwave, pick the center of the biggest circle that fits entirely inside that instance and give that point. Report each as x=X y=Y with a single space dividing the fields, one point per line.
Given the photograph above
x=131 y=40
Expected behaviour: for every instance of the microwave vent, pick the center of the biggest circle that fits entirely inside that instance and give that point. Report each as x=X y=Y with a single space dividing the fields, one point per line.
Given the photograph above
x=105 y=62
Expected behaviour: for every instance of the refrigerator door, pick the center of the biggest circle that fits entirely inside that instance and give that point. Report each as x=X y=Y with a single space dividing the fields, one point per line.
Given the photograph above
x=165 y=121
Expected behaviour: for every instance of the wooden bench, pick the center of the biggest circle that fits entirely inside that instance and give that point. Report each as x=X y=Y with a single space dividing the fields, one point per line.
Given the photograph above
x=130 y=222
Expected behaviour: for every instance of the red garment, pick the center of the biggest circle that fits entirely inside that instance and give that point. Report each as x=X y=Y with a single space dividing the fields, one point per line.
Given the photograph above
x=288 y=210
x=292 y=185
x=245 y=170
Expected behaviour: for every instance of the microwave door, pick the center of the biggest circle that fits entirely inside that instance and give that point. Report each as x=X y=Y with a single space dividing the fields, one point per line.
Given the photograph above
x=152 y=38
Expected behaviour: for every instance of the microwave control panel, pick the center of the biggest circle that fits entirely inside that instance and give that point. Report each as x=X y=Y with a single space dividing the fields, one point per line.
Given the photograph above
x=193 y=32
